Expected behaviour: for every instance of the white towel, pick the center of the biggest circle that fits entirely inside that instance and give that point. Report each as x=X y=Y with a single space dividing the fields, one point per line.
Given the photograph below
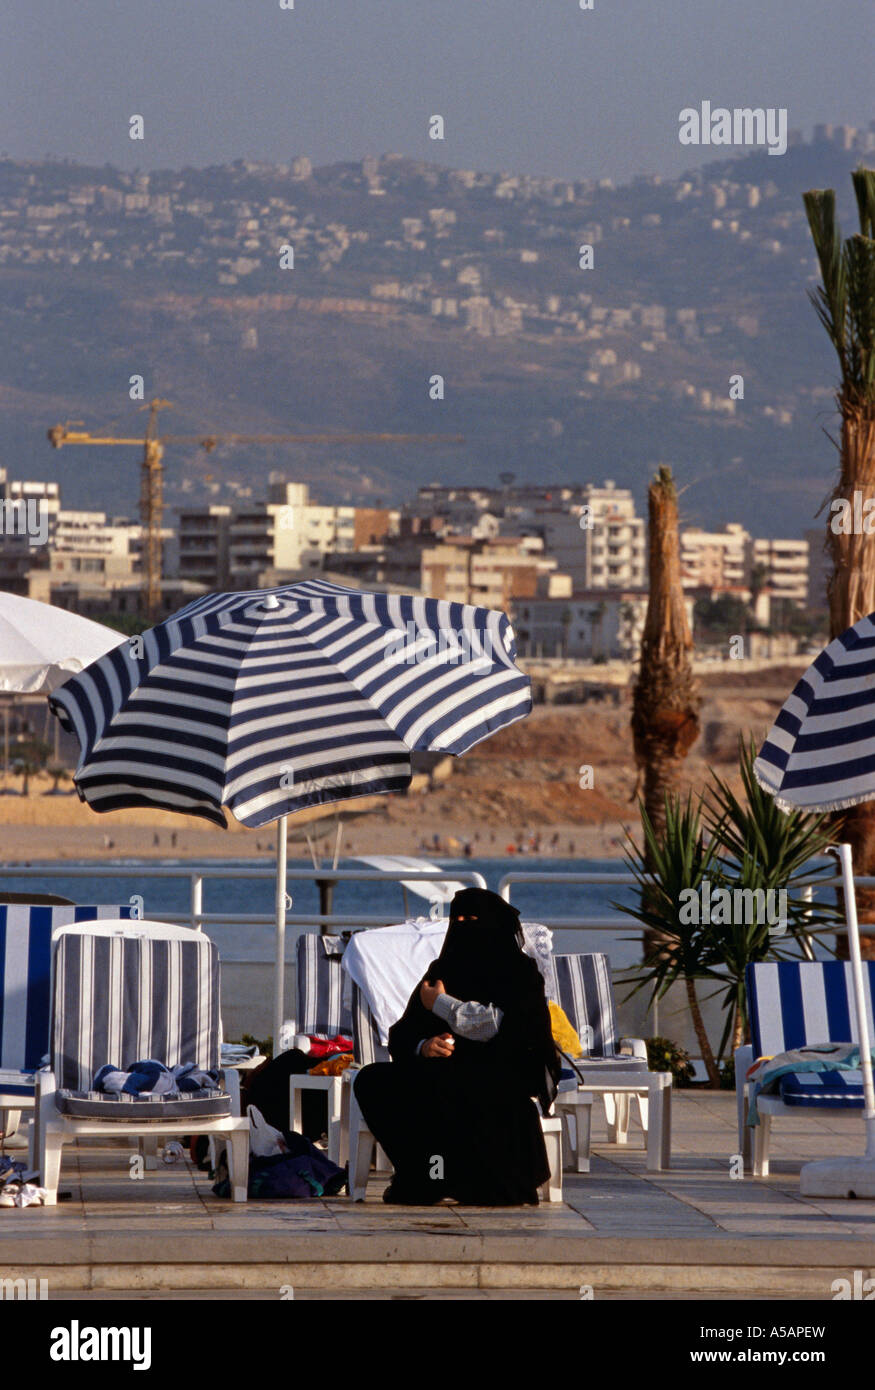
x=388 y=962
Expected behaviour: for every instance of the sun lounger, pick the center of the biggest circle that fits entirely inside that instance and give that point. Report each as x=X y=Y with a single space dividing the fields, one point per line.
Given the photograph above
x=319 y=986
x=26 y=932
x=794 y=1004
x=614 y=1068
x=124 y=991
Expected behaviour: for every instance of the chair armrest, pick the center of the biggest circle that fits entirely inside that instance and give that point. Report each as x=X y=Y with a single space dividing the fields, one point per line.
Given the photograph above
x=634 y=1047
x=744 y=1059
x=45 y=1082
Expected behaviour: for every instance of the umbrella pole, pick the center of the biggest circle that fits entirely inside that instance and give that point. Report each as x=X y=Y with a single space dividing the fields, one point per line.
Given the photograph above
x=280 y=973
x=850 y=1177
x=859 y=995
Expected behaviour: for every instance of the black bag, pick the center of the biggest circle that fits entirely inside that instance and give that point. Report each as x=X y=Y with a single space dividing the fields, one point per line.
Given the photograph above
x=268 y=1089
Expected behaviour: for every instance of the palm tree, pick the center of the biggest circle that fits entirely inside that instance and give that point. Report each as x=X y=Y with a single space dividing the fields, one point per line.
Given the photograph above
x=845 y=305
x=665 y=700
x=28 y=759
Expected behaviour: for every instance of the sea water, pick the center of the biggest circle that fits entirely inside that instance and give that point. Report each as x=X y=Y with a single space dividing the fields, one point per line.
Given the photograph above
x=256 y=942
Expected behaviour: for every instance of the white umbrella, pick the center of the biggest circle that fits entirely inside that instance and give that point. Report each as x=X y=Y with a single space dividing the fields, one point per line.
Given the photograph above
x=41 y=646
x=820 y=756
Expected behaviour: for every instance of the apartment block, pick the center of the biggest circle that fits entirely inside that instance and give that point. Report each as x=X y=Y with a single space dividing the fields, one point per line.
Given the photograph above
x=598 y=540
x=592 y=626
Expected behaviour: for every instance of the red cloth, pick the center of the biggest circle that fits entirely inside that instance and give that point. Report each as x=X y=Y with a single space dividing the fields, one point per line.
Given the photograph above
x=328 y=1047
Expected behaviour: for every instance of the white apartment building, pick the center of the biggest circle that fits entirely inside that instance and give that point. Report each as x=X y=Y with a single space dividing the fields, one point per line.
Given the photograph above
x=287 y=532
x=732 y=558
x=786 y=562
x=598 y=540
x=714 y=559
x=593 y=626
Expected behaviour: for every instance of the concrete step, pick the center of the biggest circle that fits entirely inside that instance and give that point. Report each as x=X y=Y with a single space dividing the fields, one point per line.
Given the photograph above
x=286 y=1265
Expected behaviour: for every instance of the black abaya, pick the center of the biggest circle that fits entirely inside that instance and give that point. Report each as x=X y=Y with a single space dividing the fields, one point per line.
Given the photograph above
x=466 y=1126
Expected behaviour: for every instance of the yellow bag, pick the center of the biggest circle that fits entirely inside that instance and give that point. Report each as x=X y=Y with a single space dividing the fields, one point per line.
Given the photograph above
x=564 y=1035
x=332 y=1066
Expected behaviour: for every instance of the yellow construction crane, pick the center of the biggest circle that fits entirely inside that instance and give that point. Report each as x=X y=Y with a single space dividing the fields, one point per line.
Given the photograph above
x=152 y=471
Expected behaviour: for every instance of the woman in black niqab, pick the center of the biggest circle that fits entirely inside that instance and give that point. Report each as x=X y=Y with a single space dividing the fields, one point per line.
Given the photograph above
x=454 y=1109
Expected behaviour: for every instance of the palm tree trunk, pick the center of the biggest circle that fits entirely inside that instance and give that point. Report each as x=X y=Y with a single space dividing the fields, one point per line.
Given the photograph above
x=701 y=1034
x=665 y=701
x=851 y=593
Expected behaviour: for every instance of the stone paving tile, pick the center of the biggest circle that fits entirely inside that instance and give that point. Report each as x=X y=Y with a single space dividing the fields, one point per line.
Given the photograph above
x=695 y=1198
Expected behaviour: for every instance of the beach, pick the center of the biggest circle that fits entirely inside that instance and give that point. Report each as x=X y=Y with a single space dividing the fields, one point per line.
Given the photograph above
x=560 y=783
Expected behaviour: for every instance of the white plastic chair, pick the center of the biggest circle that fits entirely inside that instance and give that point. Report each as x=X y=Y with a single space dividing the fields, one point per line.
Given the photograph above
x=91 y=964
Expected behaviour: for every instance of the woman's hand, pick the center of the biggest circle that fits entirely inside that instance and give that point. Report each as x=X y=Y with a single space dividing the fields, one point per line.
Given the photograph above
x=441 y=1046
x=429 y=993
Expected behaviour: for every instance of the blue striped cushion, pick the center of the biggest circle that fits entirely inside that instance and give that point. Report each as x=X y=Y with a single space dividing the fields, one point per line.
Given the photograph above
x=795 y=1003
x=586 y=995
x=319 y=983
x=367 y=1047
x=827 y=1088
x=205 y=1104
x=25 y=978
x=124 y=996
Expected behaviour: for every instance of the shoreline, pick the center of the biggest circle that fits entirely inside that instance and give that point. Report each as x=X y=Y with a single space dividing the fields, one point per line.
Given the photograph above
x=24 y=846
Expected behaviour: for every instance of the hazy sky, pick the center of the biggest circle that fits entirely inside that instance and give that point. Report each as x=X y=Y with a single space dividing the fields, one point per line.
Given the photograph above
x=536 y=86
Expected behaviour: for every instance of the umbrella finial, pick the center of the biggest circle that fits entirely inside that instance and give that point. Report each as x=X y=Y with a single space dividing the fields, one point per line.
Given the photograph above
x=271 y=602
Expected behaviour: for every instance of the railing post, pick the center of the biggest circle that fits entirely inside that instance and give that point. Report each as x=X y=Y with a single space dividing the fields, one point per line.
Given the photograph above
x=197 y=901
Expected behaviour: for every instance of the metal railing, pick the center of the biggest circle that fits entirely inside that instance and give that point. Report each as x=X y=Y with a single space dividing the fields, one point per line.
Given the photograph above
x=197 y=918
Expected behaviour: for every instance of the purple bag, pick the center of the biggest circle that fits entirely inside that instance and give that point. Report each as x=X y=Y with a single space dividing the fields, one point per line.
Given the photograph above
x=304 y=1172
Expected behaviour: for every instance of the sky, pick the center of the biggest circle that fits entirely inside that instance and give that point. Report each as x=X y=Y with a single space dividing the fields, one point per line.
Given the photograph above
x=528 y=86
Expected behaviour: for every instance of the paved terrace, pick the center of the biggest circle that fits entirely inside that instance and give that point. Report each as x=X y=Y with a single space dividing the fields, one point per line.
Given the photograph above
x=690 y=1233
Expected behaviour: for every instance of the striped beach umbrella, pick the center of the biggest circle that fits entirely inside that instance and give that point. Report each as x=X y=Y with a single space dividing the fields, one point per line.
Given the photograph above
x=820 y=756
x=274 y=700
x=820 y=752
x=271 y=701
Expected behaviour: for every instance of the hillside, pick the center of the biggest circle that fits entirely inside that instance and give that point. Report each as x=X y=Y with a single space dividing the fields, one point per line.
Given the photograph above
x=403 y=270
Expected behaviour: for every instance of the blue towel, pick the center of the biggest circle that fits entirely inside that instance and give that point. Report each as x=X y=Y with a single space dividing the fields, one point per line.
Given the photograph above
x=149 y=1077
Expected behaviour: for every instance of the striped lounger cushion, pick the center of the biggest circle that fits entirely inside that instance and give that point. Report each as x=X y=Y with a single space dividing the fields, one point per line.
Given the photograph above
x=119 y=998
x=798 y=1003
x=367 y=1047
x=833 y=1088
x=587 y=997
x=191 y=1105
x=320 y=983
x=25 y=982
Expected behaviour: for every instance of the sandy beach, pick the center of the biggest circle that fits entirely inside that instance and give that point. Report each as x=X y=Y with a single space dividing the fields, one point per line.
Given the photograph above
x=561 y=782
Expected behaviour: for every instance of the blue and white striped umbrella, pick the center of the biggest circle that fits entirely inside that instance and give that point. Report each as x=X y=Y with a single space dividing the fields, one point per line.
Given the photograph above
x=820 y=756
x=274 y=700
x=820 y=752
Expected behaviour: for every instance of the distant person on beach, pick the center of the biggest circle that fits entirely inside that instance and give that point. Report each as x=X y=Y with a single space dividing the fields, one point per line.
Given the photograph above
x=454 y=1109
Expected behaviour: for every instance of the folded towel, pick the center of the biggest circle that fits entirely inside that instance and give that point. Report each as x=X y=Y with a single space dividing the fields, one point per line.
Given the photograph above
x=149 y=1077
x=765 y=1076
